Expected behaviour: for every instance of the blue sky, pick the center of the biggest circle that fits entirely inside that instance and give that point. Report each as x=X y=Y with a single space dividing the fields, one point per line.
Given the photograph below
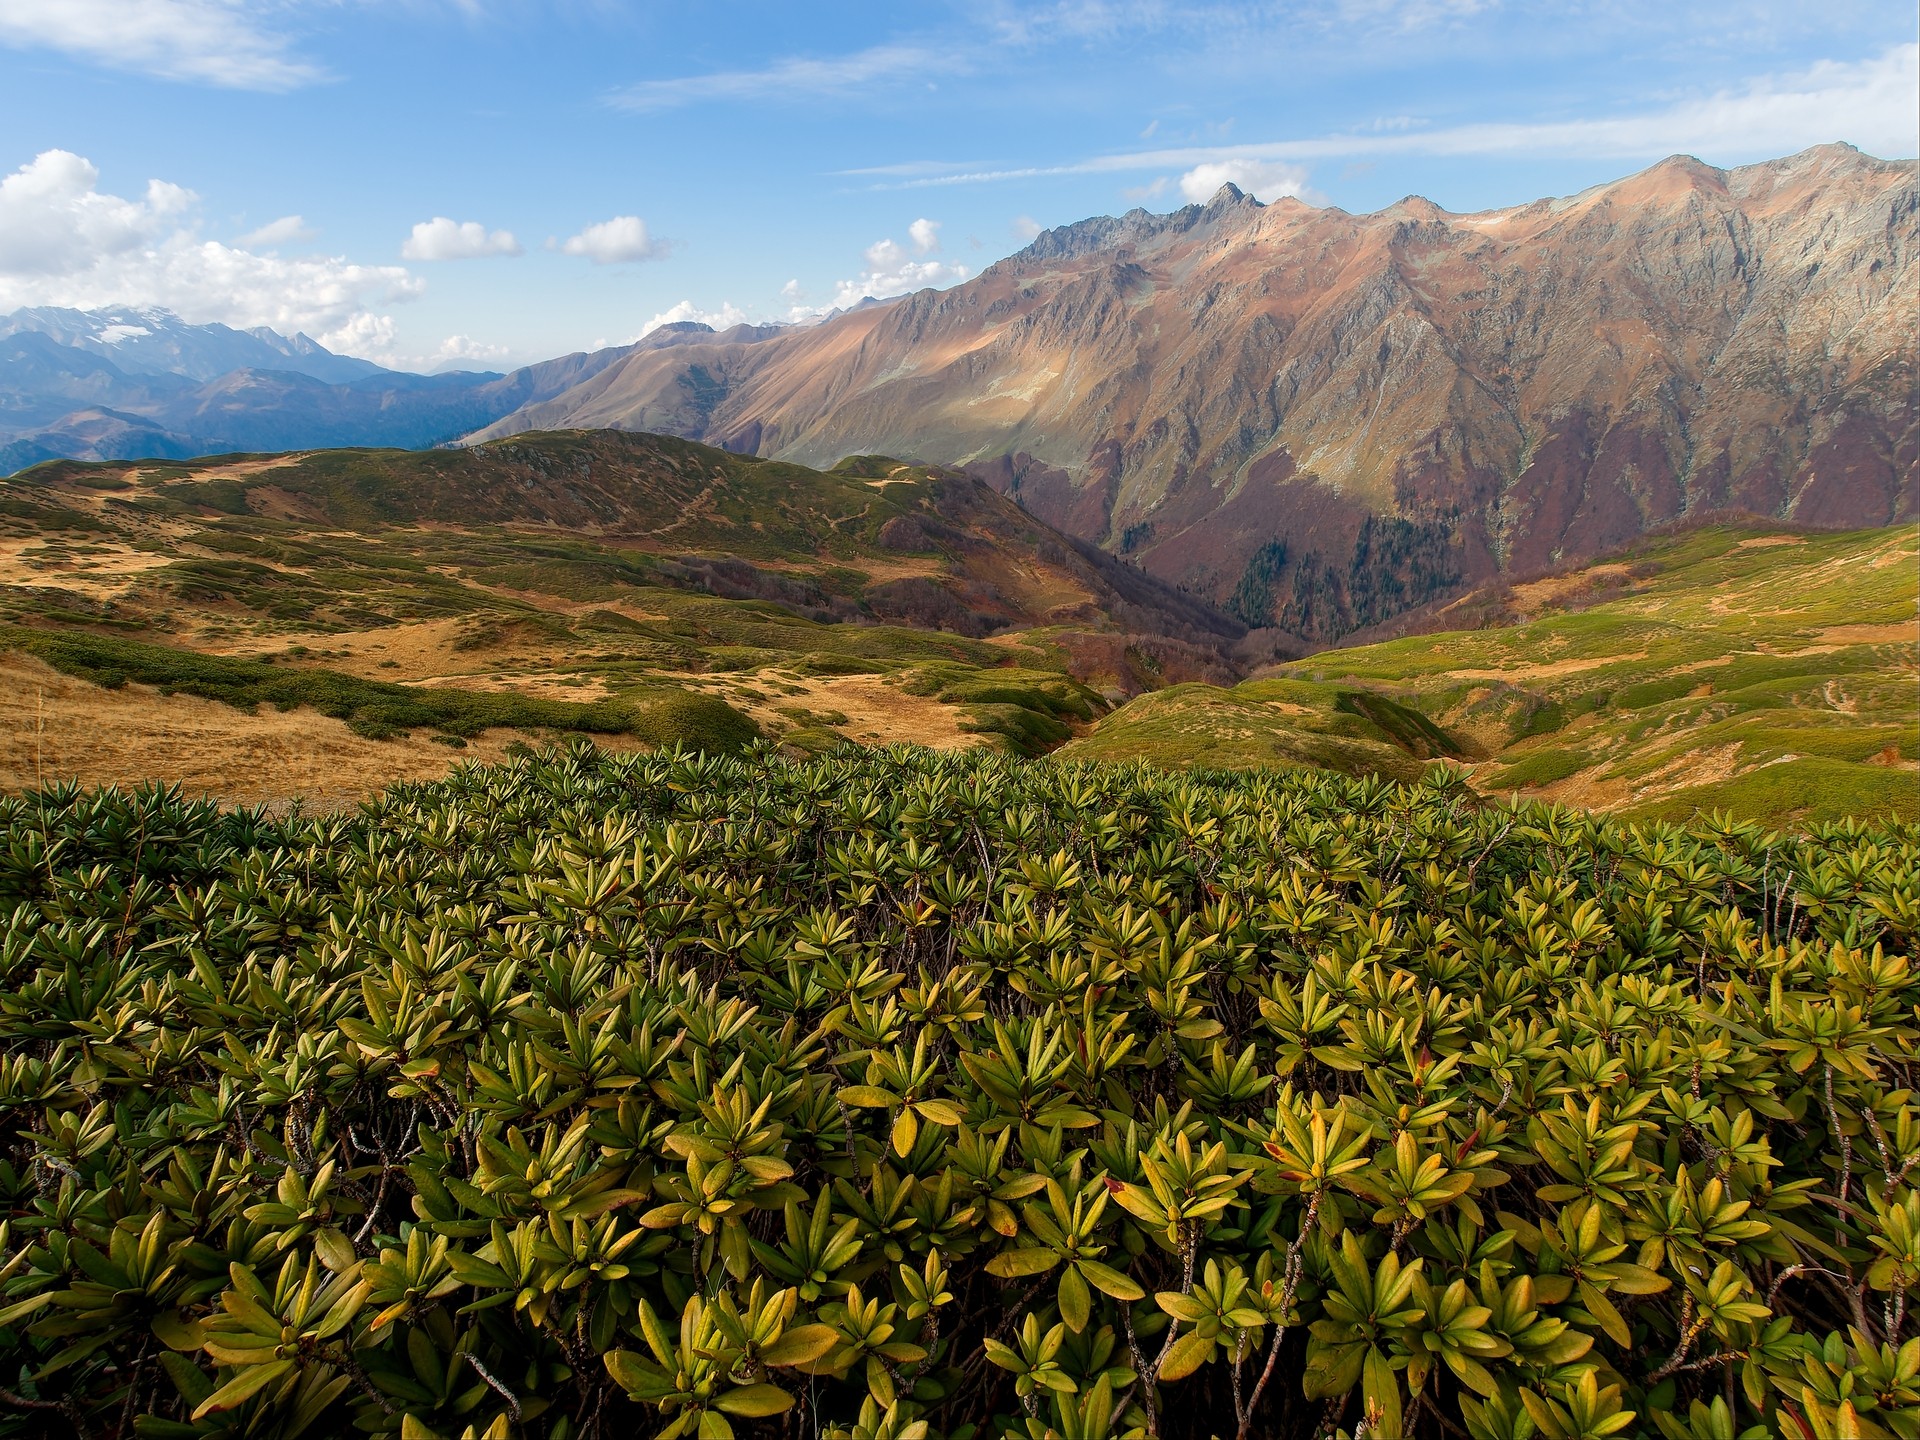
x=494 y=181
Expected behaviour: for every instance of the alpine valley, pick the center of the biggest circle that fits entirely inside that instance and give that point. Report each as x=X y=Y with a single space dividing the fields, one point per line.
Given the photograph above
x=1640 y=466
x=1257 y=822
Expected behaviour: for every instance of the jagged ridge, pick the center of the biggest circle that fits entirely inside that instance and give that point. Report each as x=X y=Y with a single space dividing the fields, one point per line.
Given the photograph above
x=1499 y=392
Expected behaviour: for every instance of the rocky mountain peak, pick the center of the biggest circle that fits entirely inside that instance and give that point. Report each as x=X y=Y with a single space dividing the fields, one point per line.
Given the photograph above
x=1227 y=198
x=1324 y=419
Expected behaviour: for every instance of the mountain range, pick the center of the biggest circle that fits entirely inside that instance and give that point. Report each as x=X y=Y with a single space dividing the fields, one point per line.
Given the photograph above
x=1323 y=422
x=144 y=384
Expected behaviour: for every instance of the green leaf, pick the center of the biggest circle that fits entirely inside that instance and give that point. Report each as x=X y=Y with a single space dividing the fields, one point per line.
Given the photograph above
x=1188 y=1354
x=1109 y=1281
x=470 y=1270
x=176 y=1332
x=801 y=1343
x=193 y=1383
x=1380 y=1388
x=1471 y=1372
x=906 y=1129
x=631 y=1373
x=1076 y=1301
x=756 y=1400
x=334 y=1249
x=243 y=1387
x=1199 y=1029
x=1009 y=1264
x=1610 y=1320
x=25 y=1308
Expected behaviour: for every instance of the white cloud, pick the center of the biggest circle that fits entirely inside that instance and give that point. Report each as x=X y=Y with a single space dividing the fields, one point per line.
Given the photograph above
x=890 y=270
x=444 y=239
x=65 y=241
x=287 y=230
x=925 y=235
x=365 y=334
x=792 y=291
x=54 y=220
x=618 y=241
x=725 y=318
x=1869 y=103
x=215 y=42
x=787 y=79
x=463 y=352
x=1025 y=227
x=1265 y=180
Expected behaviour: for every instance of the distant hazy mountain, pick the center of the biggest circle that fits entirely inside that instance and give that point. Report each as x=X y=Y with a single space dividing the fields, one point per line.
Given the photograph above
x=121 y=384
x=1325 y=419
x=158 y=342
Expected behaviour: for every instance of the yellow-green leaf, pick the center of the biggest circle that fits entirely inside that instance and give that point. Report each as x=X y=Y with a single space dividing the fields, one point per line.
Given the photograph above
x=243 y=1387
x=906 y=1129
x=1109 y=1281
x=800 y=1344
x=755 y=1401
x=1009 y=1264
x=1076 y=1301
x=1188 y=1354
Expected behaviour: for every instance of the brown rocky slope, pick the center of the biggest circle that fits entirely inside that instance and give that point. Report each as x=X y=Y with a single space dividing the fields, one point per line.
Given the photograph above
x=1323 y=420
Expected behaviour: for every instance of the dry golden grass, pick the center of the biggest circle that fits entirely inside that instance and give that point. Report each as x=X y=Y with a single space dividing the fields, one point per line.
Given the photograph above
x=1534 y=596
x=876 y=709
x=1540 y=670
x=54 y=727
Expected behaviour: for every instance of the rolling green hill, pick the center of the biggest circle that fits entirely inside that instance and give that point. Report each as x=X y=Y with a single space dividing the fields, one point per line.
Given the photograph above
x=1772 y=675
x=592 y=569
x=580 y=581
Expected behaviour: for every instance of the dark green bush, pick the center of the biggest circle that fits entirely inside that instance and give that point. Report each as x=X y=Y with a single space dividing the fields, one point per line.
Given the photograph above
x=696 y=722
x=1402 y=724
x=894 y=1095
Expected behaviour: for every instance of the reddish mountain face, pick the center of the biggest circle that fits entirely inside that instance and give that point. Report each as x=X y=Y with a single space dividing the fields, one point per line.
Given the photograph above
x=1325 y=420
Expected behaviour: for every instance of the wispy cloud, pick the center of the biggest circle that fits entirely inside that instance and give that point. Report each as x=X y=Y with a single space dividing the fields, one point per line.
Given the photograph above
x=1870 y=103
x=215 y=42
x=1228 y=21
x=910 y=169
x=287 y=230
x=795 y=77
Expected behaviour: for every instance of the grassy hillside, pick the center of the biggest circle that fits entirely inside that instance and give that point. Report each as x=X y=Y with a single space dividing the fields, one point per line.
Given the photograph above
x=872 y=540
x=1772 y=675
x=877 y=601
x=566 y=581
